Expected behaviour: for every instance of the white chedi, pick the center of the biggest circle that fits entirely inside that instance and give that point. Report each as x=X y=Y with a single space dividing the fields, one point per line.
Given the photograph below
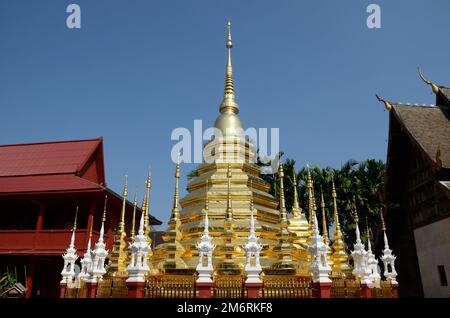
x=372 y=264
x=86 y=262
x=359 y=255
x=205 y=250
x=388 y=260
x=99 y=255
x=252 y=251
x=319 y=267
x=138 y=267
x=70 y=257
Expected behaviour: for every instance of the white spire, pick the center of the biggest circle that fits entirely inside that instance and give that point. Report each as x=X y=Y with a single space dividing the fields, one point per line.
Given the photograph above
x=138 y=267
x=318 y=249
x=205 y=249
x=70 y=257
x=359 y=255
x=388 y=258
x=252 y=251
x=99 y=253
x=86 y=262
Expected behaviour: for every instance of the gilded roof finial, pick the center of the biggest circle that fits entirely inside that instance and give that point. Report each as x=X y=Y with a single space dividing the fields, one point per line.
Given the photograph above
x=324 y=219
x=434 y=87
x=387 y=104
x=309 y=186
x=133 y=222
x=229 y=99
x=75 y=221
x=124 y=203
x=356 y=211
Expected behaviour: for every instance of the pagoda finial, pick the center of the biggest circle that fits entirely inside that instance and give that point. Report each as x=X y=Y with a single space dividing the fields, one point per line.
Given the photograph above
x=434 y=87
x=309 y=186
x=133 y=222
x=229 y=203
x=229 y=99
x=387 y=104
x=75 y=221
x=124 y=204
x=206 y=196
x=104 y=208
x=337 y=225
x=282 y=200
x=146 y=203
x=175 y=209
x=324 y=219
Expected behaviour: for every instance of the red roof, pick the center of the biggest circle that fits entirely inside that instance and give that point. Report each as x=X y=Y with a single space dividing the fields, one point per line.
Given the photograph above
x=46 y=158
x=52 y=166
x=46 y=183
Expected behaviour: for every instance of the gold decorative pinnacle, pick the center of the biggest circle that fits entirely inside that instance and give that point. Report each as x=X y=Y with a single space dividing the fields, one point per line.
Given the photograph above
x=104 y=208
x=229 y=99
x=133 y=221
x=229 y=203
x=337 y=225
x=146 y=203
x=383 y=225
x=75 y=220
x=176 y=194
x=295 y=205
x=387 y=104
x=206 y=196
x=356 y=211
x=124 y=204
x=282 y=200
x=434 y=87
x=324 y=219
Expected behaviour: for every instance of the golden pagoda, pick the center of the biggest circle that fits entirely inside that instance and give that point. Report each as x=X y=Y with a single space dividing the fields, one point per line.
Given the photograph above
x=229 y=177
x=340 y=257
x=119 y=254
x=298 y=225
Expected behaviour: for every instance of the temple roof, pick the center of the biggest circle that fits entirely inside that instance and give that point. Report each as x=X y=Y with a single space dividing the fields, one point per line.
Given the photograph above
x=46 y=158
x=429 y=127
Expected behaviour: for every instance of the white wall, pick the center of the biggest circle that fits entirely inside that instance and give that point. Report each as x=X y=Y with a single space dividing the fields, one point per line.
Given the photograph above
x=433 y=249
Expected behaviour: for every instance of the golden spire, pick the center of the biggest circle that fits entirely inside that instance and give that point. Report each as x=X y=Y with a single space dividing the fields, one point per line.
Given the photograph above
x=104 y=209
x=337 y=225
x=229 y=99
x=434 y=87
x=146 y=203
x=356 y=211
x=295 y=206
x=229 y=203
x=324 y=219
x=383 y=225
x=175 y=209
x=206 y=196
x=124 y=204
x=133 y=222
x=309 y=186
x=74 y=228
x=282 y=201
x=340 y=257
x=387 y=104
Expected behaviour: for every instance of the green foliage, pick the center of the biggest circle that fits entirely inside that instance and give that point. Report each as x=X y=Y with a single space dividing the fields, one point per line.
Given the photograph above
x=357 y=184
x=8 y=280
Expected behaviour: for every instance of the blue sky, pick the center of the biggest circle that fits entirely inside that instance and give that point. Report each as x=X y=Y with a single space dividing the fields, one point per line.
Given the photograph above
x=138 y=69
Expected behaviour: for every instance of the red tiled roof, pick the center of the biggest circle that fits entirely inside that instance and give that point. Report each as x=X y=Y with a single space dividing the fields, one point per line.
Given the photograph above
x=46 y=183
x=45 y=158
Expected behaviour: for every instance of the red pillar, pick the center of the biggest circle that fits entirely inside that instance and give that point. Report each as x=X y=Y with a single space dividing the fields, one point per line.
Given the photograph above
x=204 y=290
x=253 y=290
x=395 y=291
x=366 y=291
x=91 y=289
x=136 y=289
x=62 y=292
x=323 y=290
x=29 y=278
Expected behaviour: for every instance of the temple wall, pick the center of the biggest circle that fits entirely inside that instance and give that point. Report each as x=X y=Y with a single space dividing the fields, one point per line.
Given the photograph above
x=432 y=244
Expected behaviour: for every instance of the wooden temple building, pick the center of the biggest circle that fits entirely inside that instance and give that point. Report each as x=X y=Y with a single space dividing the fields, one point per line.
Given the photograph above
x=418 y=193
x=41 y=186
